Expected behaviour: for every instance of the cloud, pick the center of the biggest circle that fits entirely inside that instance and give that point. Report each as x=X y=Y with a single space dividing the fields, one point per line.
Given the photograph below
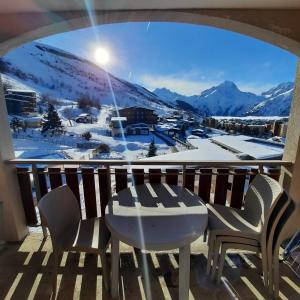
x=185 y=84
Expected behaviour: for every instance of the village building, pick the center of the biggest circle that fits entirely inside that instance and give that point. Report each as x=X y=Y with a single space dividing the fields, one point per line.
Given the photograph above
x=20 y=102
x=132 y=120
x=136 y=114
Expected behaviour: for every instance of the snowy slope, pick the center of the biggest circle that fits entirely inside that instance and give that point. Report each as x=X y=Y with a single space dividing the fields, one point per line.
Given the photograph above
x=277 y=101
x=63 y=75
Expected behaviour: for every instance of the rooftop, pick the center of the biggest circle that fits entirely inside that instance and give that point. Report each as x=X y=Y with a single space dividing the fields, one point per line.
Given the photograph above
x=256 y=148
x=206 y=151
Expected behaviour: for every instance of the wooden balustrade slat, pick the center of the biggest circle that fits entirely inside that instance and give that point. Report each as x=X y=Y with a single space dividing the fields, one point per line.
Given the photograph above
x=105 y=188
x=73 y=183
x=26 y=196
x=89 y=192
x=155 y=175
x=237 y=189
x=42 y=181
x=55 y=177
x=138 y=176
x=221 y=186
x=121 y=179
x=172 y=176
x=274 y=173
x=205 y=184
x=189 y=181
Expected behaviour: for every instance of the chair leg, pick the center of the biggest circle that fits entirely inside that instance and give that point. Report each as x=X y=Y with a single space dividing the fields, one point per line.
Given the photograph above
x=217 y=245
x=56 y=255
x=275 y=279
x=210 y=252
x=105 y=271
x=221 y=262
x=265 y=265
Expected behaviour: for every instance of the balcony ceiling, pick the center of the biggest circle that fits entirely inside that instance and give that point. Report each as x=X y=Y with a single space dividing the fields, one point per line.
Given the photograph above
x=19 y=6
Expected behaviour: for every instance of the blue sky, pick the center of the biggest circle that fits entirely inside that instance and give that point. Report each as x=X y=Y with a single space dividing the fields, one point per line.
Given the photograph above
x=182 y=57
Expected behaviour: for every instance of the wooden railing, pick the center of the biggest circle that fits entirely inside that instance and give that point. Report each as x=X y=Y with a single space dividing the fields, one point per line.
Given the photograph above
x=94 y=181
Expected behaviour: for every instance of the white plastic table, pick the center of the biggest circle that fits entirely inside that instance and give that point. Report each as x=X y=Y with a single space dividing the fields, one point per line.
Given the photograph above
x=156 y=217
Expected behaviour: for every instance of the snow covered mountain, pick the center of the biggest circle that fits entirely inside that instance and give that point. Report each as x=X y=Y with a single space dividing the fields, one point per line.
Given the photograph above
x=53 y=72
x=224 y=99
x=277 y=101
x=227 y=99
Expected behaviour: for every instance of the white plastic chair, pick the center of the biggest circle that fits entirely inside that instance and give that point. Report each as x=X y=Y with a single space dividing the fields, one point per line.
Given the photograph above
x=61 y=214
x=288 y=225
x=272 y=220
x=246 y=224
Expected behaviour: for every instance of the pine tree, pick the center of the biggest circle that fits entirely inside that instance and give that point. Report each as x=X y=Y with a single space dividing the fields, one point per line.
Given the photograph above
x=152 y=149
x=52 y=123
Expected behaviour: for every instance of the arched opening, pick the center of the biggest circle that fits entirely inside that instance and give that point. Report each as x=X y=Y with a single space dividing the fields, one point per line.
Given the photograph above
x=278 y=28
x=56 y=83
x=266 y=25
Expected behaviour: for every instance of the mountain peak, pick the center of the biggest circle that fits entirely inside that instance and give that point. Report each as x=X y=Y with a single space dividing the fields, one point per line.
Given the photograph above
x=228 y=84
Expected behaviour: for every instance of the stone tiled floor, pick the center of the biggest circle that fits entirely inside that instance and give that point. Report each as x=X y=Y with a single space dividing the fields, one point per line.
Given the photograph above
x=25 y=273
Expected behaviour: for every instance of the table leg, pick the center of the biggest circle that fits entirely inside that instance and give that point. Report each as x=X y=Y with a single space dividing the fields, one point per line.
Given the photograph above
x=184 y=272
x=115 y=264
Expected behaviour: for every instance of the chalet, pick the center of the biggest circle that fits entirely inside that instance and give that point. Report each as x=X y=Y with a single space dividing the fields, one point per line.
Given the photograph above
x=20 y=102
x=135 y=115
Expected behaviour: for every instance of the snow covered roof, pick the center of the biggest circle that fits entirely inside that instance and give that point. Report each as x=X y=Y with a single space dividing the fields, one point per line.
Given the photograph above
x=84 y=115
x=207 y=151
x=20 y=91
x=114 y=119
x=256 y=148
x=270 y=118
x=172 y=120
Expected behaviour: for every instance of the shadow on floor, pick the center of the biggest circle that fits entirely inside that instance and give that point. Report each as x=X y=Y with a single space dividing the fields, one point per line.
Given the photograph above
x=26 y=274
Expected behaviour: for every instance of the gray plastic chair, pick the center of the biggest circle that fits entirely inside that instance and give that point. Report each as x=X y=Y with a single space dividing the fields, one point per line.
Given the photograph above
x=61 y=214
x=246 y=224
x=267 y=236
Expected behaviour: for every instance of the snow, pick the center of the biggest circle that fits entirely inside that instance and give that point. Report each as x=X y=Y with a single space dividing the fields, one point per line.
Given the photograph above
x=265 y=118
x=31 y=144
x=206 y=151
x=26 y=148
x=118 y=119
x=256 y=148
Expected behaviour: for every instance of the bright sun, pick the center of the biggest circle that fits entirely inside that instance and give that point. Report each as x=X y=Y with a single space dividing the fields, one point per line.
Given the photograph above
x=102 y=56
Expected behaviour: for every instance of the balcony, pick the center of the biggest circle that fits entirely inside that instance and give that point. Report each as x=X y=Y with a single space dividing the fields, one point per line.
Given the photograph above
x=28 y=264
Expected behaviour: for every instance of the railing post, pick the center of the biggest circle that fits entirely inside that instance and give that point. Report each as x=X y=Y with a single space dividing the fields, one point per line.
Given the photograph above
x=109 y=182
x=38 y=195
x=183 y=174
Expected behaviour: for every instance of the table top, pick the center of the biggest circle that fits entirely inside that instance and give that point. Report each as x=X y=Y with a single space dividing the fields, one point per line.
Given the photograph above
x=156 y=216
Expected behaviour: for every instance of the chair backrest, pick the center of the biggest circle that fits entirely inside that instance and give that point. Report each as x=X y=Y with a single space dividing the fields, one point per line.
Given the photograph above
x=261 y=194
x=60 y=210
